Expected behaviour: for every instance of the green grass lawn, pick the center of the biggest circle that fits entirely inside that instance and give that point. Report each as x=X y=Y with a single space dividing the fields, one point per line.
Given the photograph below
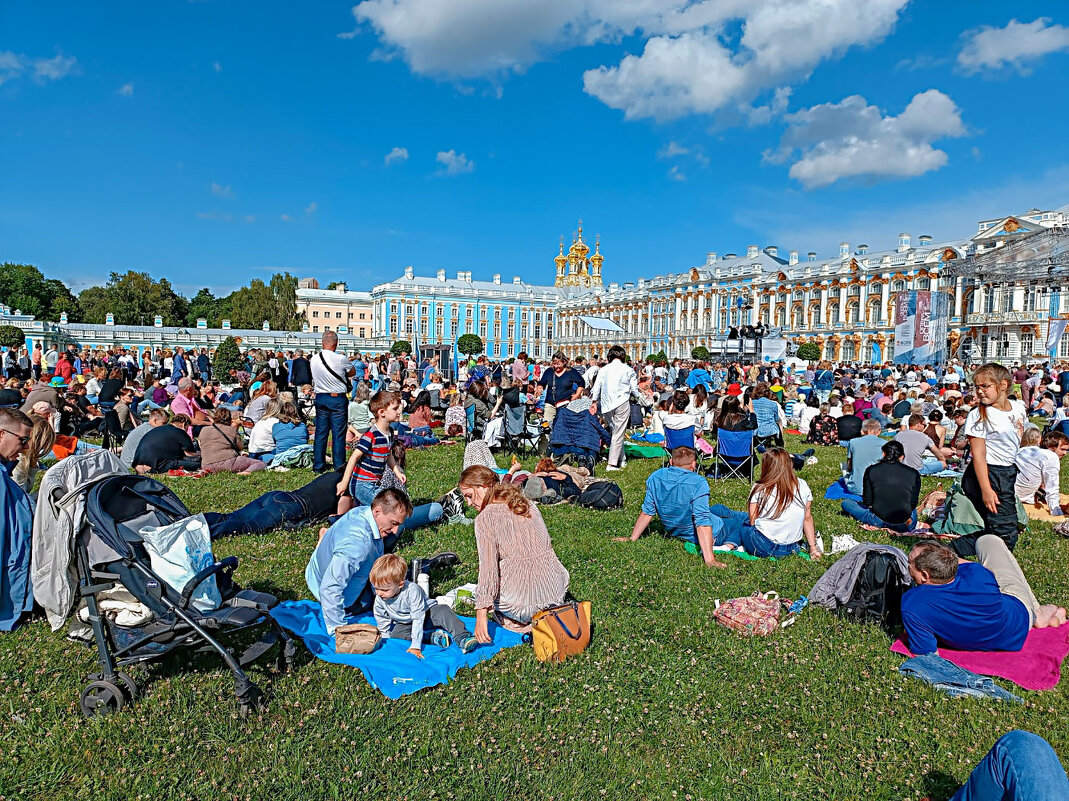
x=664 y=704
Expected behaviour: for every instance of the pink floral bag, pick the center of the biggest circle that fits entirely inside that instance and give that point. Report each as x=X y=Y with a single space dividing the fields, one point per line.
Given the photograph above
x=754 y=614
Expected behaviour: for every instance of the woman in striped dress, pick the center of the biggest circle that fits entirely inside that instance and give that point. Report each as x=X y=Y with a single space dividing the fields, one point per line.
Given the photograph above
x=519 y=573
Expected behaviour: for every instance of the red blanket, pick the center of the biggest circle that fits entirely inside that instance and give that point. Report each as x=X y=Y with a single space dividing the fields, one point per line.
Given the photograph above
x=1037 y=666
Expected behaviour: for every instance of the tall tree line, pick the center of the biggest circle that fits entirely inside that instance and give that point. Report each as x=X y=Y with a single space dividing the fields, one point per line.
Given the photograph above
x=135 y=298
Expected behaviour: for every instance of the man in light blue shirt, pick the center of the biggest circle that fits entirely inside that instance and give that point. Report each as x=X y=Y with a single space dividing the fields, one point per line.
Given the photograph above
x=680 y=498
x=337 y=574
x=861 y=453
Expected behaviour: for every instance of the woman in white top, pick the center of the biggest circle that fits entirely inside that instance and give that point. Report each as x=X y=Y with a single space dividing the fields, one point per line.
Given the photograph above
x=1039 y=468
x=261 y=440
x=780 y=512
x=700 y=408
x=677 y=418
x=808 y=414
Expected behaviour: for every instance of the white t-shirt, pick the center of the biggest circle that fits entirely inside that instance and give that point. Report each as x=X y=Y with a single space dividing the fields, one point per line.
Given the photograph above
x=806 y=417
x=787 y=527
x=322 y=380
x=1002 y=430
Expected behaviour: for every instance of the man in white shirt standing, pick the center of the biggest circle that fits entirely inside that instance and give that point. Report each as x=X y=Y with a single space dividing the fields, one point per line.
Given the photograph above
x=612 y=391
x=330 y=381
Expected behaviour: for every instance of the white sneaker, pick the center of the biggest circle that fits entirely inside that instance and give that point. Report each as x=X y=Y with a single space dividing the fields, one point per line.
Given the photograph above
x=811 y=460
x=611 y=469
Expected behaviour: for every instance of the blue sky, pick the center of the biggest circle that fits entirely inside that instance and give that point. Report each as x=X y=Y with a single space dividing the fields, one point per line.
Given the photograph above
x=217 y=141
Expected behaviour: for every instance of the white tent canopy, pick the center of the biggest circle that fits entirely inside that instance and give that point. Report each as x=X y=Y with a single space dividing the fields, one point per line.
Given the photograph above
x=602 y=324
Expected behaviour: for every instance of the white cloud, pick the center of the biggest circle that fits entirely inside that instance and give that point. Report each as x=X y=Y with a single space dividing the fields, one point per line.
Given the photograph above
x=217 y=66
x=222 y=191
x=285 y=218
x=214 y=215
x=311 y=208
x=852 y=139
x=52 y=69
x=42 y=70
x=126 y=90
x=397 y=154
x=454 y=163
x=694 y=59
x=671 y=150
x=704 y=71
x=676 y=174
x=1013 y=46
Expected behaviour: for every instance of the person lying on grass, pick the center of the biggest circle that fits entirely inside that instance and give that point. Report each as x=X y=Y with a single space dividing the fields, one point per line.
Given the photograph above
x=372 y=454
x=403 y=610
x=971 y=607
x=680 y=498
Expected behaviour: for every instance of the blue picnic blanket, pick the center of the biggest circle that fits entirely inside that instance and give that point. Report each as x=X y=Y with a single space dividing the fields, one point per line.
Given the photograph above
x=838 y=491
x=390 y=668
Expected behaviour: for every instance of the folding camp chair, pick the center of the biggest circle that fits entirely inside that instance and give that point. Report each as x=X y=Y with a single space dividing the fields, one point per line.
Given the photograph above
x=734 y=452
x=518 y=436
x=678 y=438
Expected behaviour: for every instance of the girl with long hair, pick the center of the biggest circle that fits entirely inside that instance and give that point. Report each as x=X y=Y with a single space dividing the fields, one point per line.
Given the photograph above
x=779 y=512
x=519 y=573
x=994 y=428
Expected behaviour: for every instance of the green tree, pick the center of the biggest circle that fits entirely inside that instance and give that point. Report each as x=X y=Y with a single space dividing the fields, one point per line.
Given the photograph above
x=227 y=357
x=470 y=344
x=335 y=284
x=701 y=353
x=284 y=290
x=205 y=304
x=24 y=287
x=401 y=346
x=251 y=305
x=135 y=298
x=809 y=351
x=11 y=337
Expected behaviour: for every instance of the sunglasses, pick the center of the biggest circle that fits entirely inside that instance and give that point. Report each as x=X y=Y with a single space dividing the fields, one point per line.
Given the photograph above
x=24 y=441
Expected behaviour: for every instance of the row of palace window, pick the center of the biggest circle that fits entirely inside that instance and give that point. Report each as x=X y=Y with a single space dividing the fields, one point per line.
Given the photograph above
x=360 y=333
x=337 y=315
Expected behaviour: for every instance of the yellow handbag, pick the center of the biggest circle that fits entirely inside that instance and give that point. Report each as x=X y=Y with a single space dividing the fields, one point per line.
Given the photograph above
x=561 y=632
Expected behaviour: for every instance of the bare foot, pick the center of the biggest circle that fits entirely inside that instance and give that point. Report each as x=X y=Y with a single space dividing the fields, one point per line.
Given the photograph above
x=1049 y=615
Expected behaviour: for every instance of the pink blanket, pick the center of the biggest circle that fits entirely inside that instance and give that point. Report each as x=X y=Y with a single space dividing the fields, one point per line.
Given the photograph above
x=1037 y=666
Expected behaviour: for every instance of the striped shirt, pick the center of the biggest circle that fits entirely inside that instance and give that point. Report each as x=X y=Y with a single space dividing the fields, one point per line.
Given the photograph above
x=375 y=447
x=519 y=573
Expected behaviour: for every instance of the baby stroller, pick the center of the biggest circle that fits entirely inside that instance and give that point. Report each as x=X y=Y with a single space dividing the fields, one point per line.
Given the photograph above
x=110 y=551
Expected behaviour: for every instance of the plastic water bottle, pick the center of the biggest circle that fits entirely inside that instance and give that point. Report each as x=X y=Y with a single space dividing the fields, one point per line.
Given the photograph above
x=424 y=583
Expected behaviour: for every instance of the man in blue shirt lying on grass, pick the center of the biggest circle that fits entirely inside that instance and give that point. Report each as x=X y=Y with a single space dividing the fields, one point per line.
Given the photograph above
x=680 y=498
x=971 y=607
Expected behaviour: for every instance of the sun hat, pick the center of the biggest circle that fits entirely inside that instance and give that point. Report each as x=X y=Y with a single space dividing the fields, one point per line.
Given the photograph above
x=734 y=389
x=57 y=381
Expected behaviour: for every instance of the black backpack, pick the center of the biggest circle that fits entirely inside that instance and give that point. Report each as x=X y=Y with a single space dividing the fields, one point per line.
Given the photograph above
x=877 y=593
x=602 y=495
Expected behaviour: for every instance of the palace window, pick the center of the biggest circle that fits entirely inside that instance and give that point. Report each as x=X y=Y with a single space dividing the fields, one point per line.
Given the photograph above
x=337 y=315
x=1028 y=345
x=363 y=332
x=924 y=283
x=849 y=350
x=315 y=314
x=453 y=327
x=468 y=312
x=898 y=286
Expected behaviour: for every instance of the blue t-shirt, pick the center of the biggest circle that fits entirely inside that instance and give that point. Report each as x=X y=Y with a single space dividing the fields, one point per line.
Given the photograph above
x=968 y=614
x=680 y=498
x=864 y=452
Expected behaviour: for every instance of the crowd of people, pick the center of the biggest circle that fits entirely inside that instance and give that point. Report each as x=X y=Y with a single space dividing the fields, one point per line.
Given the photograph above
x=357 y=416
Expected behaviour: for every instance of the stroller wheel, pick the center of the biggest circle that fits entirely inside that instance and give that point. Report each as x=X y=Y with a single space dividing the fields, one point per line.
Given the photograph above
x=250 y=700
x=101 y=698
x=129 y=686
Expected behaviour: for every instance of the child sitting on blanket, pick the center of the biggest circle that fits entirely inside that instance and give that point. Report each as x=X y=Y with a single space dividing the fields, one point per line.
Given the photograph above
x=403 y=611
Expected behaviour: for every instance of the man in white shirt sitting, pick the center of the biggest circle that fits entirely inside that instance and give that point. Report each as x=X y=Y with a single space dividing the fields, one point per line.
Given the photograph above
x=1038 y=471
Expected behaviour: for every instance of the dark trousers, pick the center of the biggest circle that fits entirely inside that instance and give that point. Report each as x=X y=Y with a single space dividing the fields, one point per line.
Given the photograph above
x=1003 y=522
x=332 y=413
x=271 y=510
x=439 y=616
x=189 y=463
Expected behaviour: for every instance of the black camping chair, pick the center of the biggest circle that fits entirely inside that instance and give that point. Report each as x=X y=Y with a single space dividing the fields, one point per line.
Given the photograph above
x=519 y=438
x=110 y=551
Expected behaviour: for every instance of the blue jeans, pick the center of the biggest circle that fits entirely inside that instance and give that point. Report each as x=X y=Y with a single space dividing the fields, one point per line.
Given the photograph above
x=738 y=531
x=731 y=532
x=364 y=493
x=863 y=514
x=931 y=467
x=332 y=416
x=267 y=512
x=1019 y=766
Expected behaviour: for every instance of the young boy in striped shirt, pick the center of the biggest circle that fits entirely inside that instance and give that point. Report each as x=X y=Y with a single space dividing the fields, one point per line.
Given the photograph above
x=372 y=454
